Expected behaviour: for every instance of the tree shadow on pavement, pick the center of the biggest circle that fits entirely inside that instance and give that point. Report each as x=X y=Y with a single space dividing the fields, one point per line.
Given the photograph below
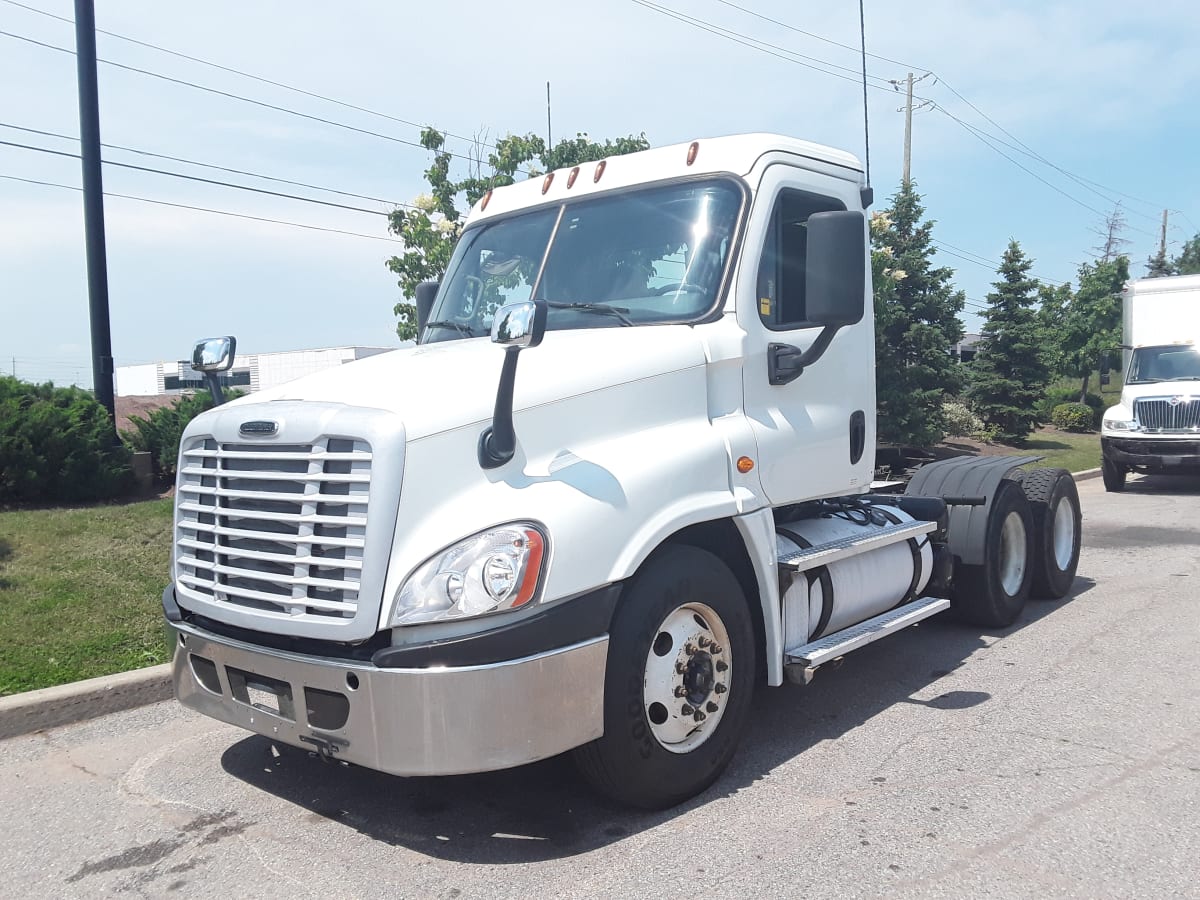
x=545 y=810
x=1163 y=484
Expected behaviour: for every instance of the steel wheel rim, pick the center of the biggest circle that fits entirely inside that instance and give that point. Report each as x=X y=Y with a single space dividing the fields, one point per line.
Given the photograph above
x=1064 y=534
x=689 y=667
x=1012 y=554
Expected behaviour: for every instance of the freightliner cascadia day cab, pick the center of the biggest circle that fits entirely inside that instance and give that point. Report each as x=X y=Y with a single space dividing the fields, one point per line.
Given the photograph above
x=1156 y=426
x=436 y=561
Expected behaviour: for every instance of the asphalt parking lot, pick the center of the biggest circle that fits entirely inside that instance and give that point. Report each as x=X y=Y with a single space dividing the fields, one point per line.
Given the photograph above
x=1058 y=758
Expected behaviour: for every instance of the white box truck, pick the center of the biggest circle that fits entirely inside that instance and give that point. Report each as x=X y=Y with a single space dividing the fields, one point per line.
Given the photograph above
x=1156 y=426
x=430 y=563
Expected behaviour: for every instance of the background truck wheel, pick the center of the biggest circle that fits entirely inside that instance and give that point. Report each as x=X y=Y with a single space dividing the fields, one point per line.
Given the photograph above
x=1114 y=476
x=994 y=593
x=680 y=675
x=1057 y=520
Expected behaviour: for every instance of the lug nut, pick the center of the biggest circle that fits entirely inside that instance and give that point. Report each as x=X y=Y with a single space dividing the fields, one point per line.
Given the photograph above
x=699 y=716
x=689 y=648
x=703 y=641
x=710 y=706
x=716 y=649
x=680 y=690
x=680 y=668
x=719 y=688
x=686 y=710
x=721 y=665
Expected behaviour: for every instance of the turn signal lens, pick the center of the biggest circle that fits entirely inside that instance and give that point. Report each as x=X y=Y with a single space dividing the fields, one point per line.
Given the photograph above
x=744 y=464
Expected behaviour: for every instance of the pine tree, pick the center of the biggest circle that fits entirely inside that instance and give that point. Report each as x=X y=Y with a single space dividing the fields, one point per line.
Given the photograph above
x=1009 y=372
x=1188 y=260
x=916 y=324
x=1158 y=266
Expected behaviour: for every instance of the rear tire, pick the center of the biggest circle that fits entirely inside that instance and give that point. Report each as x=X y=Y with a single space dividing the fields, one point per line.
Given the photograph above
x=994 y=593
x=673 y=718
x=1057 y=528
x=1114 y=476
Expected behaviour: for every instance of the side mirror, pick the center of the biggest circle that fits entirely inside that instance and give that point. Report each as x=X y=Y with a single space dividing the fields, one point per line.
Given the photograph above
x=835 y=283
x=521 y=324
x=213 y=355
x=426 y=293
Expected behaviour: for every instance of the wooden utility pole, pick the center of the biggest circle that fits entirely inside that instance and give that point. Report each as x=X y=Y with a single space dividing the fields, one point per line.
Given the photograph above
x=1162 y=241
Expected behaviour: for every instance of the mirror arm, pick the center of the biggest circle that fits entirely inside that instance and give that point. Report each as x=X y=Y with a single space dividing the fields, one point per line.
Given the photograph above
x=786 y=363
x=214 y=387
x=498 y=442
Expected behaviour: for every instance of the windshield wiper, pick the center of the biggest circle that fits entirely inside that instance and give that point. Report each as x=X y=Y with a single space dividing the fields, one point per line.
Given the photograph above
x=1184 y=378
x=619 y=312
x=457 y=326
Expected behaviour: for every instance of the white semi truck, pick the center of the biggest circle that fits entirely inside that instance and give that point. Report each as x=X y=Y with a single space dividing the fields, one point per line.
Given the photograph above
x=1156 y=426
x=429 y=562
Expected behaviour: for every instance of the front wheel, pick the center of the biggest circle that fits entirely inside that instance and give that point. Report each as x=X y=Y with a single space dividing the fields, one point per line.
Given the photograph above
x=1114 y=476
x=677 y=689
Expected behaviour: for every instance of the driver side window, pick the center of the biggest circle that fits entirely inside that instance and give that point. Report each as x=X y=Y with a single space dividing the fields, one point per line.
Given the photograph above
x=781 y=273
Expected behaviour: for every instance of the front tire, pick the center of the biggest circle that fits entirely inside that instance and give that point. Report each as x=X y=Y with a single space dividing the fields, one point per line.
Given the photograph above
x=1114 y=476
x=994 y=593
x=677 y=689
x=1057 y=529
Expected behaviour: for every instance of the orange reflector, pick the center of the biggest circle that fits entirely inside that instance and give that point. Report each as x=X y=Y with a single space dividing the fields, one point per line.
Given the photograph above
x=533 y=568
x=744 y=464
x=571 y=178
x=483 y=203
x=692 y=151
x=546 y=183
x=599 y=169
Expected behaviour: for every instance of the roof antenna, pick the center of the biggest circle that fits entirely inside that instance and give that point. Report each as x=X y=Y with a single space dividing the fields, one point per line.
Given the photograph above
x=867 y=193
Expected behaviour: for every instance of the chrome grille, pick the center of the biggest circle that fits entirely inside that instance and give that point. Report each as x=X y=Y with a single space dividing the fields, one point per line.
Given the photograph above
x=1159 y=414
x=275 y=528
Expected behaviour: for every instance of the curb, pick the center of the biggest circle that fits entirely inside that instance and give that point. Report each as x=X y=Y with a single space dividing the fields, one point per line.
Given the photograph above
x=67 y=704
x=1086 y=474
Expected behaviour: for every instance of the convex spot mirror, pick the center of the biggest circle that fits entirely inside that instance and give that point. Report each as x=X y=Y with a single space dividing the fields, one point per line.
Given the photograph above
x=214 y=354
x=520 y=324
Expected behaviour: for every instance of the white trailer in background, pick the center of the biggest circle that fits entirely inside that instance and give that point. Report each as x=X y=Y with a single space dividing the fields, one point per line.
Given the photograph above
x=1156 y=426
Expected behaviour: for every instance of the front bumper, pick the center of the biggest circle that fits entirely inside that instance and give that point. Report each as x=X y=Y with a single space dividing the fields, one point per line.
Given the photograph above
x=407 y=721
x=1152 y=453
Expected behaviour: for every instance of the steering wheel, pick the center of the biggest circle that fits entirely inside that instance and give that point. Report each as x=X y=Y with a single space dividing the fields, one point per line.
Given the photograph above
x=681 y=287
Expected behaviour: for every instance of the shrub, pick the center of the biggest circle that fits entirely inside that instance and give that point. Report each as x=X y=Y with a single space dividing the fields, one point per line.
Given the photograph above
x=159 y=433
x=960 y=420
x=1057 y=396
x=1073 y=417
x=56 y=445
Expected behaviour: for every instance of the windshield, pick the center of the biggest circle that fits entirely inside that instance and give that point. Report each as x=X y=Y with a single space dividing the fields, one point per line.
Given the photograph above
x=1174 y=363
x=637 y=257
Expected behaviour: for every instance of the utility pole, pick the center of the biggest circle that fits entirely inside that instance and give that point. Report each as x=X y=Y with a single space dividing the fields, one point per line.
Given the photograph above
x=93 y=207
x=549 y=136
x=907 y=109
x=1162 y=241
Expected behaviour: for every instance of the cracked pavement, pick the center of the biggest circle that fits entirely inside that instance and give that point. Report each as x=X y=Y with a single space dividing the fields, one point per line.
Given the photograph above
x=1057 y=758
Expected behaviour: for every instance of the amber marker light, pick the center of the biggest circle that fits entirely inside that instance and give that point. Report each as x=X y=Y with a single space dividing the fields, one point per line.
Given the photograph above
x=546 y=183
x=599 y=169
x=571 y=178
x=692 y=151
x=484 y=202
x=533 y=568
x=744 y=464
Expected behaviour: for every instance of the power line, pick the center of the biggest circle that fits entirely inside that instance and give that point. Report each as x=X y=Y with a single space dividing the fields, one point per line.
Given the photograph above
x=219 y=212
x=193 y=162
x=239 y=97
x=259 y=78
x=228 y=184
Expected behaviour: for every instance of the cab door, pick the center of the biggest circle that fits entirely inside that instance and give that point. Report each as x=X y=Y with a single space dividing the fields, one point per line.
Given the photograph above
x=816 y=429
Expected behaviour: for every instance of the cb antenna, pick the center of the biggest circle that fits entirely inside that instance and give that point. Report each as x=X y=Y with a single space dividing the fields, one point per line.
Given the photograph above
x=862 y=34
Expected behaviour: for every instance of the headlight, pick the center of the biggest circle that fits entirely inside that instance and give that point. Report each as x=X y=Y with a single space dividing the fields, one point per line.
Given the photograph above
x=495 y=570
x=1120 y=425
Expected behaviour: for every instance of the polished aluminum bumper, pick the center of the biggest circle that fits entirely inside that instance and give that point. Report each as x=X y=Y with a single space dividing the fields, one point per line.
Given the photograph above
x=435 y=721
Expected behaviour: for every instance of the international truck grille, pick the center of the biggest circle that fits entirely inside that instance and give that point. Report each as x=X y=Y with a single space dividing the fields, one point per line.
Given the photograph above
x=276 y=529
x=1167 y=415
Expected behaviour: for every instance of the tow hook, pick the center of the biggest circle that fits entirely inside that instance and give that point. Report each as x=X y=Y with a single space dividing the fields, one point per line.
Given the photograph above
x=326 y=748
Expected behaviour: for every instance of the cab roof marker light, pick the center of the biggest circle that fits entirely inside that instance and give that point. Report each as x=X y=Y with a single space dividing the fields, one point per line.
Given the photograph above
x=571 y=178
x=547 y=182
x=599 y=170
x=484 y=202
x=692 y=151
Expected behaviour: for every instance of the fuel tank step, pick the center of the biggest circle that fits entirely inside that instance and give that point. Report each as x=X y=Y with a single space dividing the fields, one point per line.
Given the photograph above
x=844 y=548
x=842 y=642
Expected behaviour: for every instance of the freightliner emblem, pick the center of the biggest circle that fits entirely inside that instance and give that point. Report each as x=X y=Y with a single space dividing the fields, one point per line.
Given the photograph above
x=259 y=427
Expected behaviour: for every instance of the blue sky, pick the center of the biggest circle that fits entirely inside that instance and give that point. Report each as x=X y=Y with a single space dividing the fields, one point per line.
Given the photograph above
x=1102 y=91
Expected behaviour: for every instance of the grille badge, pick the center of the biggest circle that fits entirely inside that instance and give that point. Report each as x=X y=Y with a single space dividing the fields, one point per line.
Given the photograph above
x=259 y=427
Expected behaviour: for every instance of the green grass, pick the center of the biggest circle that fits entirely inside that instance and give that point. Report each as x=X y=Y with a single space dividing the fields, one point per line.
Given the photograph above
x=79 y=592
x=1073 y=452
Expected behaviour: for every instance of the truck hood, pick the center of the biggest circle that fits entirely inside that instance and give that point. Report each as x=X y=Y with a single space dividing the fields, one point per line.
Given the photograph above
x=438 y=387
